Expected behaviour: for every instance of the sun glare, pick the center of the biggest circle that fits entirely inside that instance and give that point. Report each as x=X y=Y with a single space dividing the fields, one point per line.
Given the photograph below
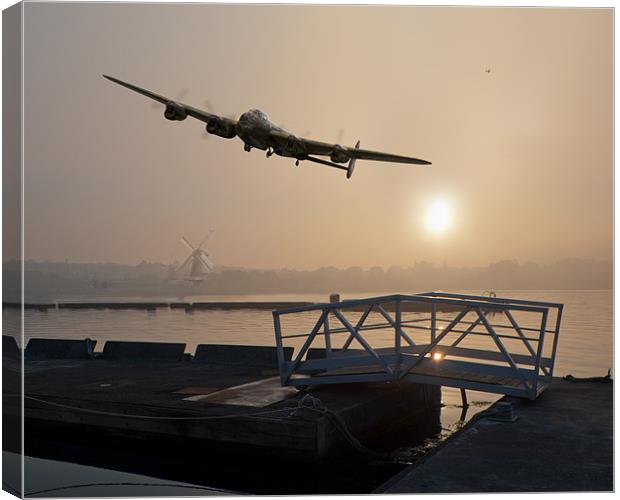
x=438 y=216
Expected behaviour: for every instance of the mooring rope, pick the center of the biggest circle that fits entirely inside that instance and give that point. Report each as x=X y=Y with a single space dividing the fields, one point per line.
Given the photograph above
x=317 y=406
x=148 y=417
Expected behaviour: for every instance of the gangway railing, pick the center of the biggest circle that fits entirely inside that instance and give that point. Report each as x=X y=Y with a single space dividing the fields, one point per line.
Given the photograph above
x=491 y=344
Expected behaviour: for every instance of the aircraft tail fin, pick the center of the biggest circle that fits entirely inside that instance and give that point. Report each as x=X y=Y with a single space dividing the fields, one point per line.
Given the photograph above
x=352 y=162
x=349 y=169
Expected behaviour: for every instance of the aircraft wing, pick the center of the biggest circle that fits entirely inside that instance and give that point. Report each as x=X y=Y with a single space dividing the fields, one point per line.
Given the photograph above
x=365 y=154
x=312 y=147
x=198 y=114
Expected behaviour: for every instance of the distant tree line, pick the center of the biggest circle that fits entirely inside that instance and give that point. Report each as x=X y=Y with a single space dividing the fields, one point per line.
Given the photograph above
x=503 y=275
x=52 y=280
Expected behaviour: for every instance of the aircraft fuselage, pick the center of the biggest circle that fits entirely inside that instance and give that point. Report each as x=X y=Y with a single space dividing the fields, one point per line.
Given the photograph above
x=254 y=128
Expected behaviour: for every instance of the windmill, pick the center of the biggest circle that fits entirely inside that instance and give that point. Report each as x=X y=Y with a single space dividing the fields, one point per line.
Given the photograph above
x=198 y=261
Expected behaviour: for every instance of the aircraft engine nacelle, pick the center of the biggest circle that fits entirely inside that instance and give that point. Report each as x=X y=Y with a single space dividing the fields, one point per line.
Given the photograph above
x=295 y=147
x=222 y=128
x=339 y=154
x=175 y=112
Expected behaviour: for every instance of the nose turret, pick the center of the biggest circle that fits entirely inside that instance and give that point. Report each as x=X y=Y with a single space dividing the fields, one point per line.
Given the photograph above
x=254 y=128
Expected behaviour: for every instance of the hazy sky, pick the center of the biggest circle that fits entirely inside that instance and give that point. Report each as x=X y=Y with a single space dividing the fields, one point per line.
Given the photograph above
x=521 y=155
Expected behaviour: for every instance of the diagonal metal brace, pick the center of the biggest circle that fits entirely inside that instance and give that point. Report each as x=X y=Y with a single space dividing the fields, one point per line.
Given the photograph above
x=358 y=325
x=361 y=340
x=471 y=328
x=503 y=350
x=306 y=345
x=517 y=328
x=389 y=319
x=439 y=338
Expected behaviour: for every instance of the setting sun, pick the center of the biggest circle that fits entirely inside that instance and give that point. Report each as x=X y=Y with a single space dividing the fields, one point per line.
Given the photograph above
x=438 y=216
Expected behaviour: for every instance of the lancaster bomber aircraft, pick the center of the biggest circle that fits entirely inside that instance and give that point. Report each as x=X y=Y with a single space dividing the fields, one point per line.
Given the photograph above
x=256 y=131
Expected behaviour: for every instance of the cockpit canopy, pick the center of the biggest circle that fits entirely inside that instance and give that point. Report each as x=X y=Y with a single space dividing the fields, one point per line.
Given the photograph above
x=259 y=114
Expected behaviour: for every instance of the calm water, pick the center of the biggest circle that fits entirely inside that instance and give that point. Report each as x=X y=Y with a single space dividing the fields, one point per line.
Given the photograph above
x=585 y=343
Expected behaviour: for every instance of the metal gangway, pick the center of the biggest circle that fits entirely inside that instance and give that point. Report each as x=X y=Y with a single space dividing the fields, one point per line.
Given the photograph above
x=483 y=343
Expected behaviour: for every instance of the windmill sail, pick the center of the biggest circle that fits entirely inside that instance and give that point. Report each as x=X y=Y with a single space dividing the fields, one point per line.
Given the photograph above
x=197 y=263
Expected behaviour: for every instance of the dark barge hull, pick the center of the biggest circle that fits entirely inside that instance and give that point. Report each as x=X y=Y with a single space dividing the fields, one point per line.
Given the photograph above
x=233 y=405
